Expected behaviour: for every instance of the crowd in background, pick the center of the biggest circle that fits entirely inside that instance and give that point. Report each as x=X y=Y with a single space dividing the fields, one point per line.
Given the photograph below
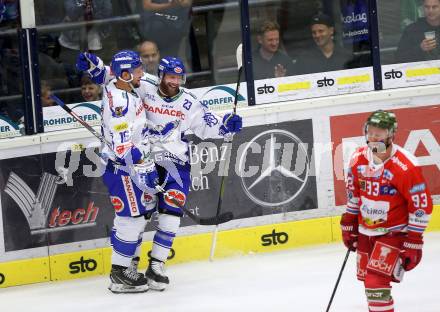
x=329 y=35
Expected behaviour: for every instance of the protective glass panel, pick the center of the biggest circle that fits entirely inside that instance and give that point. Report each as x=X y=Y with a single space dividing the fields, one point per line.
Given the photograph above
x=409 y=42
x=204 y=34
x=302 y=39
x=11 y=83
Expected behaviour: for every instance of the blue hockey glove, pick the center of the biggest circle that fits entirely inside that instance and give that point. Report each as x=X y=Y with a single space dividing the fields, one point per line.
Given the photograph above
x=146 y=176
x=93 y=65
x=2 y=11
x=232 y=123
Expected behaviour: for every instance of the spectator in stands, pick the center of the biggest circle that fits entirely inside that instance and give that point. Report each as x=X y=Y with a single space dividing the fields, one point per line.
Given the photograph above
x=46 y=91
x=269 y=61
x=324 y=55
x=11 y=106
x=419 y=39
x=150 y=56
x=8 y=11
x=167 y=23
x=87 y=37
x=410 y=12
x=90 y=91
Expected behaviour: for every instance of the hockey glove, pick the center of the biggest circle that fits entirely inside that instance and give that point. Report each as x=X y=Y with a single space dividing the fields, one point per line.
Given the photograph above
x=2 y=11
x=349 y=227
x=146 y=176
x=411 y=253
x=93 y=65
x=232 y=123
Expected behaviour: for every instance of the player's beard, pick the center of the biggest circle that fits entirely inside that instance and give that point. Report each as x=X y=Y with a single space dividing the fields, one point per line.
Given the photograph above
x=168 y=90
x=136 y=84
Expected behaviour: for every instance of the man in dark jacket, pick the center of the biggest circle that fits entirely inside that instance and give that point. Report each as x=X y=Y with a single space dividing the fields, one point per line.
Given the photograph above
x=324 y=55
x=269 y=61
x=419 y=39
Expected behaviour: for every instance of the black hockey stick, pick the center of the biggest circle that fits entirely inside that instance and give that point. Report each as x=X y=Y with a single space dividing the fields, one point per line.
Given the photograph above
x=82 y=122
x=337 y=281
x=239 y=56
x=218 y=219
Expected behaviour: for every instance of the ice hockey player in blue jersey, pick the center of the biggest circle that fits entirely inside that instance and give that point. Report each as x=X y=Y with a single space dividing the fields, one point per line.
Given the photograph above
x=128 y=170
x=171 y=112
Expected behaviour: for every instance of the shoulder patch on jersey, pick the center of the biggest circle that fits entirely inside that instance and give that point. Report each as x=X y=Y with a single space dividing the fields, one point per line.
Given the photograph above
x=388 y=175
x=417 y=188
x=387 y=190
x=119 y=111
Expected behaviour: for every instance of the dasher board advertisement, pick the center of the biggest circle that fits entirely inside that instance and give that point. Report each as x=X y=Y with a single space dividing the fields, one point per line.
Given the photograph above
x=59 y=197
x=9 y=129
x=270 y=171
x=410 y=74
x=55 y=118
x=418 y=131
x=314 y=85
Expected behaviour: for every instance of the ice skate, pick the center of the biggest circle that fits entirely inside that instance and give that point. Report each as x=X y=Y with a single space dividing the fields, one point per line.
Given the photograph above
x=127 y=280
x=157 y=280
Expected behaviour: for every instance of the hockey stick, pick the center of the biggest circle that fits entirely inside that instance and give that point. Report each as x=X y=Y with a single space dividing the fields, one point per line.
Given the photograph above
x=238 y=54
x=82 y=122
x=337 y=281
x=222 y=218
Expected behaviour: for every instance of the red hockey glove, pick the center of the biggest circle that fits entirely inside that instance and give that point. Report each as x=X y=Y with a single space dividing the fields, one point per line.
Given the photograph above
x=411 y=253
x=349 y=227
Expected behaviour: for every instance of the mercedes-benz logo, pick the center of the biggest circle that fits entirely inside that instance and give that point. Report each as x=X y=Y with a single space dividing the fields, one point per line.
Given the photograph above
x=274 y=167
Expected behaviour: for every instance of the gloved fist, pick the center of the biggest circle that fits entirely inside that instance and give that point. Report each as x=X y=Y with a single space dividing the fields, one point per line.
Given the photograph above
x=145 y=175
x=83 y=63
x=232 y=123
x=92 y=64
x=411 y=252
x=349 y=227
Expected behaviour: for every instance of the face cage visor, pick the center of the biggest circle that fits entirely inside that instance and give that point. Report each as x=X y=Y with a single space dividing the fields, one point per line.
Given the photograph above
x=381 y=143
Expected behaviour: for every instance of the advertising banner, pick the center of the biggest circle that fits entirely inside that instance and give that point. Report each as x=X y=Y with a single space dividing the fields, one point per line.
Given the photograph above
x=354 y=18
x=58 y=198
x=411 y=74
x=269 y=171
x=222 y=96
x=314 y=85
x=43 y=204
x=55 y=118
x=9 y=129
x=418 y=131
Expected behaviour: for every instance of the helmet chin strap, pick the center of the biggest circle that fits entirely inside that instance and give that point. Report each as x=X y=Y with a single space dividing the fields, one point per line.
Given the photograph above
x=127 y=81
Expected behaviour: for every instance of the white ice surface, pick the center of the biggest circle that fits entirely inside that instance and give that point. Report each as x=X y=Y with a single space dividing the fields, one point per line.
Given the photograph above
x=296 y=280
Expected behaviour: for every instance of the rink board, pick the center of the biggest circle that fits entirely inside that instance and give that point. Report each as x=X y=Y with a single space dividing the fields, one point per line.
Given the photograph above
x=55 y=223
x=230 y=243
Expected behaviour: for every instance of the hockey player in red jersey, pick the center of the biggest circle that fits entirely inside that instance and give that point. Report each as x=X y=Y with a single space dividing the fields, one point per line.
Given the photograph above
x=388 y=209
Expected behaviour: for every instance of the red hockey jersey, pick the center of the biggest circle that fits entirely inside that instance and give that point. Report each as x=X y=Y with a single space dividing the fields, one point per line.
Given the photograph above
x=392 y=196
